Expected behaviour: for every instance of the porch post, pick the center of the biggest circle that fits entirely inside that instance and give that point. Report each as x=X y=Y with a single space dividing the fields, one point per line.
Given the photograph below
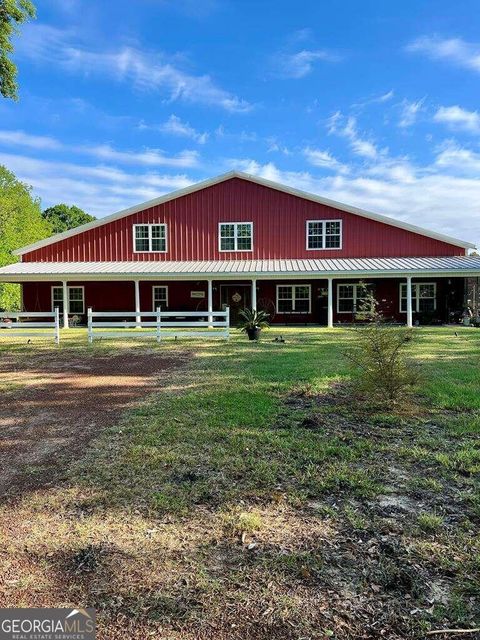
x=330 y=303
x=254 y=294
x=409 y=302
x=138 y=319
x=210 y=303
x=65 y=304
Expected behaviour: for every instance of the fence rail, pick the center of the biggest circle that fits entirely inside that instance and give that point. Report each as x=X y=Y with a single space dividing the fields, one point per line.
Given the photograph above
x=24 y=327
x=177 y=324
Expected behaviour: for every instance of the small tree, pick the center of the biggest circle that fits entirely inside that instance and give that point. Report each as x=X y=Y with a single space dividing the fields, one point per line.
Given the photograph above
x=63 y=217
x=383 y=368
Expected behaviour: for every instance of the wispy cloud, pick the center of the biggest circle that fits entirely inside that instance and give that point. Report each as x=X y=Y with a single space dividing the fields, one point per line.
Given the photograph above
x=147 y=157
x=409 y=112
x=347 y=128
x=148 y=71
x=302 y=63
x=176 y=127
x=22 y=139
x=100 y=189
x=324 y=160
x=454 y=50
x=458 y=119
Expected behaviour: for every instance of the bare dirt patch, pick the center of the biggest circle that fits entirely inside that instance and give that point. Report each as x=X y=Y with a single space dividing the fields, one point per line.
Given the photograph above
x=52 y=405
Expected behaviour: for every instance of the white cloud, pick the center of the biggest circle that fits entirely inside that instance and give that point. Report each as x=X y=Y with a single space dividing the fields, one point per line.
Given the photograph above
x=409 y=112
x=347 y=128
x=20 y=138
x=324 y=160
x=174 y=126
x=455 y=50
x=458 y=159
x=300 y=64
x=147 y=71
x=99 y=190
x=148 y=157
x=458 y=119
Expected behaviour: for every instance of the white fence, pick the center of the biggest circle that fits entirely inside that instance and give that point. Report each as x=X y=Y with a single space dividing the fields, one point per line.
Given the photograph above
x=158 y=324
x=25 y=326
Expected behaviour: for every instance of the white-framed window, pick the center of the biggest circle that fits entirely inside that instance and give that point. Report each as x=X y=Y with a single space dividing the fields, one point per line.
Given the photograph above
x=235 y=236
x=150 y=238
x=293 y=298
x=324 y=234
x=159 y=297
x=76 y=299
x=424 y=297
x=350 y=296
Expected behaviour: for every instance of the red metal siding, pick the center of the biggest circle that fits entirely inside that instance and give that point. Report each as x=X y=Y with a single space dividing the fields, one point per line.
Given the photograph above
x=278 y=230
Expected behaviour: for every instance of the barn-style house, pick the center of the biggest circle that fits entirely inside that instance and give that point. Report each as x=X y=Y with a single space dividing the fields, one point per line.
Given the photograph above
x=241 y=241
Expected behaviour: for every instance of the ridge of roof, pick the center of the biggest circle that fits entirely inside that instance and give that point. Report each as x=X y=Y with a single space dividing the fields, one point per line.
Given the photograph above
x=198 y=186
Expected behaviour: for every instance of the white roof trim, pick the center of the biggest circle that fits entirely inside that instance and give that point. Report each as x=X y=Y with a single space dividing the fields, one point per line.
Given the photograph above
x=251 y=178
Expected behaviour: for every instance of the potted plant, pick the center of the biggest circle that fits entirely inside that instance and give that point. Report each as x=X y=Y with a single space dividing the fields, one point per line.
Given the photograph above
x=253 y=322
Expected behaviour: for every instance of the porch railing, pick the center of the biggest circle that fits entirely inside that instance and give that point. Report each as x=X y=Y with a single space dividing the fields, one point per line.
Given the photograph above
x=28 y=323
x=158 y=324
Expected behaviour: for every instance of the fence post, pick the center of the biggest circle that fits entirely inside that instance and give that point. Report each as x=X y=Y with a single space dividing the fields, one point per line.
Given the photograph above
x=227 y=321
x=90 y=324
x=159 y=321
x=57 y=326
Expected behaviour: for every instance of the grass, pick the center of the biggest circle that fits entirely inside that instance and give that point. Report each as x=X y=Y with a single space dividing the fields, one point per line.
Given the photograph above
x=251 y=497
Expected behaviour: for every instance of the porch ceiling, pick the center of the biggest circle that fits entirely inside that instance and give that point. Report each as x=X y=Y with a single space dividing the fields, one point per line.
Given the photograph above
x=245 y=269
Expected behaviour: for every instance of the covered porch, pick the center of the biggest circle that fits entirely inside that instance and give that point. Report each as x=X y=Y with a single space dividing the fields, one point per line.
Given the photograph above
x=319 y=292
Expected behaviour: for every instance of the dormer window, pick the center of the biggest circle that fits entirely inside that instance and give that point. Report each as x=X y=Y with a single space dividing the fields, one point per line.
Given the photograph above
x=150 y=238
x=235 y=236
x=324 y=234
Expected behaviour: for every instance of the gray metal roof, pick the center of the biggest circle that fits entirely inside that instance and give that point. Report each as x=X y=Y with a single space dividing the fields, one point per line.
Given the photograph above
x=220 y=269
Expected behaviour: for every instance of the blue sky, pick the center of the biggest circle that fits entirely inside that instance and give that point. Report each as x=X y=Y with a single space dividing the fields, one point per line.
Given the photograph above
x=371 y=103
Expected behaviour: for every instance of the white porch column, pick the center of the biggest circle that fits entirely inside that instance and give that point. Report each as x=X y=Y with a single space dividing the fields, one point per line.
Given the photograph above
x=254 y=294
x=65 y=304
x=409 y=302
x=330 y=303
x=210 y=303
x=138 y=318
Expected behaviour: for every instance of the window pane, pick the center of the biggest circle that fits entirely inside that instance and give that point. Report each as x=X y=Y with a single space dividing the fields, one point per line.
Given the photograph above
x=159 y=244
x=284 y=306
x=57 y=298
x=302 y=292
x=244 y=244
x=227 y=244
x=315 y=235
x=244 y=230
x=159 y=298
x=332 y=234
x=141 y=238
x=227 y=230
x=345 y=291
x=285 y=293
x=427 y=291
x=345 y=304
x=75 y=296
x=158 y=231
x=302 y=306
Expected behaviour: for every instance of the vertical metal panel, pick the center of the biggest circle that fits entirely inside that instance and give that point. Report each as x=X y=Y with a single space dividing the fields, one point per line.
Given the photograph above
x=279 y=230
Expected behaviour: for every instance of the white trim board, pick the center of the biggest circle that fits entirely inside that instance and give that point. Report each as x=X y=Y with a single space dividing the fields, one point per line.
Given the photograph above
x=256 y=180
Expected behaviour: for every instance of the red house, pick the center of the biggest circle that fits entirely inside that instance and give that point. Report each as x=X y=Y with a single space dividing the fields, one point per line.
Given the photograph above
x=242 y=241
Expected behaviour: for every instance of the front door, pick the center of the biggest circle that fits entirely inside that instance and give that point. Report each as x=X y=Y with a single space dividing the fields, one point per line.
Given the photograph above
x=237 y=297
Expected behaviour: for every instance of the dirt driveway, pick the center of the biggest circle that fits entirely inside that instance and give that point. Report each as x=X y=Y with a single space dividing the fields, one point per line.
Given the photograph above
x=52 y=405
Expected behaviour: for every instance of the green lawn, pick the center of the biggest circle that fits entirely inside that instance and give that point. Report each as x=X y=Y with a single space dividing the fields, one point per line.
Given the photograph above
x=253 y=496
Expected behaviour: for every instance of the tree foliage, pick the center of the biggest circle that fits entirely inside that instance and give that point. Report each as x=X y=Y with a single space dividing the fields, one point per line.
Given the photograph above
x=378 y=355
x=62 y=217
x=12 y=14
x=21 y=223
